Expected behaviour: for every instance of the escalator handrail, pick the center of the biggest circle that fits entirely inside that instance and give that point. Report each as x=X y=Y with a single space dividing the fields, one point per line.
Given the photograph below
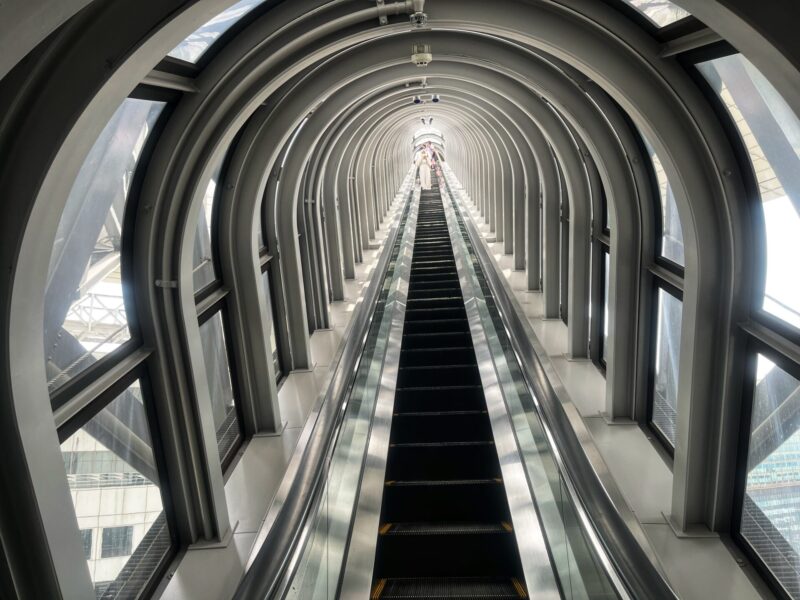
x=636 y=570
x=268 y=567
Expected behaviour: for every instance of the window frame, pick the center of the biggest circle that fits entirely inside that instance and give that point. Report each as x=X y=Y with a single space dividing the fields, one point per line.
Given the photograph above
x=223 y=40
x=218 y=305
x=758 y=229
x=755 y=346
x=278 y=359
x=765 y=333
x=601 y=249
x=674 y=30
x=63 y=393
x=92 y=408
x=658 y=284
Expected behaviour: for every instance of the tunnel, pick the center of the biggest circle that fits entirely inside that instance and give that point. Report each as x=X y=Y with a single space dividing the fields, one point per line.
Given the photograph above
x=399 y=299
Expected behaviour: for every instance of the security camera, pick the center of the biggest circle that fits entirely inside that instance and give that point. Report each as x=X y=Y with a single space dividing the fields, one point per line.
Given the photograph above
x=435 y=98
x=417 y=100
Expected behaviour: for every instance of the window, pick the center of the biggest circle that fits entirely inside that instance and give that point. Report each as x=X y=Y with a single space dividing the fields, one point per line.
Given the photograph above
x=266 y=279
x=220 y=387
x=664 y=389
x=770 y=512
x=205 y=269
x=84 y=315
x=670 y=224
x=114 y=484
x=86 y=538
x=659 y=12
x=606 y=271
x=194 y=46
x=770 y=132
x=117 y=541
x=563 y=246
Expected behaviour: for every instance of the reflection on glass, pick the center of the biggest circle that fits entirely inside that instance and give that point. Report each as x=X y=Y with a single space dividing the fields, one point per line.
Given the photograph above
x=204 y=268
x=606 y=278
x=671 y=230
x=113 y=480
x=771 y=506
x=84 y=311
x=218 y=375
x=665 y=384
x=659 y=12
x=273 y=340
x=194 y=46
x=771 y=133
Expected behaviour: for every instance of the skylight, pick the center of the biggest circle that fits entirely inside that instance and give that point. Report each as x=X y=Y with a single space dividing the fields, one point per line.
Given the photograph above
x=194 y=46
x=659 y=12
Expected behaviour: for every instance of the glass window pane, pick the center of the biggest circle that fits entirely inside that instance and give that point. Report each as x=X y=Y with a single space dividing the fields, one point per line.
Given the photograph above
x=84 y=311
x=205 y=270
x=771 y=133
x=218 y=375
x=86 y=538
x=659 y=12
x=771 y=507
x=665 y=384
x=273 y=340
x=112 y=475
x=194 y=46
x=117 y=541
x=671 y=230
x=606 y=278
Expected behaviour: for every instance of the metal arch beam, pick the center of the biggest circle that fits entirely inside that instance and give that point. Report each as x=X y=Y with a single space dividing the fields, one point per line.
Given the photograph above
x=299 y=145
x=545 y=156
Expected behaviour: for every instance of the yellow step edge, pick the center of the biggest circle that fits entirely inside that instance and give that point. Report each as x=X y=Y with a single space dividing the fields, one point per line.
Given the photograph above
x=377 y=590
x=385 y=528
x=523 y=593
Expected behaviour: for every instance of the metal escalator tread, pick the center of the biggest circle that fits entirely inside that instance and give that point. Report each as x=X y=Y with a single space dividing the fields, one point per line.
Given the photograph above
x=448 y=588
x=439 y=413
x=446 y=528
x=441 y=444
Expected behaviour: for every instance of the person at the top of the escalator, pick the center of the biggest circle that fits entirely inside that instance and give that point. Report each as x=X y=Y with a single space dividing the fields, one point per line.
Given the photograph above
x=424 y=166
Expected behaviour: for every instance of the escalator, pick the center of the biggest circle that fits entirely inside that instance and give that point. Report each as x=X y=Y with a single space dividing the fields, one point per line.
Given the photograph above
x=445 y=527
x=441 y=464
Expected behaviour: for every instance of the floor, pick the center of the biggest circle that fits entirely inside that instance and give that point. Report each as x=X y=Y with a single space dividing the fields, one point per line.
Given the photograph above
x=698 y=568
x=214 y=573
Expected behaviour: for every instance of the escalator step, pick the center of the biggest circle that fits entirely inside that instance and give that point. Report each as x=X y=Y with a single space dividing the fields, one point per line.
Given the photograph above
x=437 y=326
x=444 y=528
x=441 y=312
x=437 y=356
x=448 y=588
x=438 y=375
